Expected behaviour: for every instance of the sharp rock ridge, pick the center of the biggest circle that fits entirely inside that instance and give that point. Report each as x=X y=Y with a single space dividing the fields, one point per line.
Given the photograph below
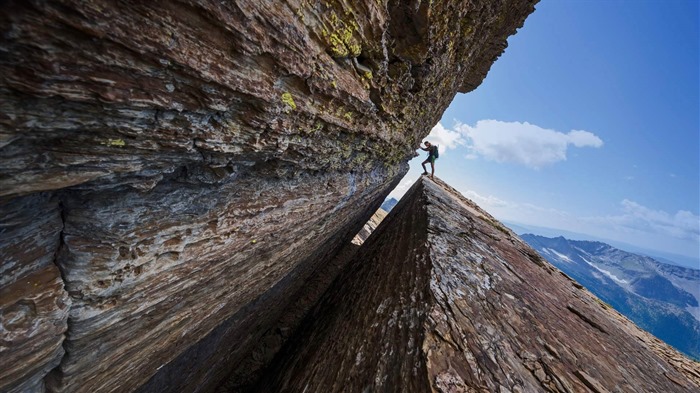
x=444 y=298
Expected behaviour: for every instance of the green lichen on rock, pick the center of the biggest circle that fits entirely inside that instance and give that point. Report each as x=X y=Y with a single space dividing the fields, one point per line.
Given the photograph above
x=353 y=47
x=366 y=79
x=337 y=47
x=340 y=38
x=114 y=142
x=289 y=100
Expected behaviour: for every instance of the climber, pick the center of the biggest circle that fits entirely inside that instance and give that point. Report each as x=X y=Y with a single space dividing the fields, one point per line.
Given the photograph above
x=432 y=156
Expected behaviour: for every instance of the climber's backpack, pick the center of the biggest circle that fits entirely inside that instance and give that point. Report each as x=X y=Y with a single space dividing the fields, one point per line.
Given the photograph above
x=435 y=151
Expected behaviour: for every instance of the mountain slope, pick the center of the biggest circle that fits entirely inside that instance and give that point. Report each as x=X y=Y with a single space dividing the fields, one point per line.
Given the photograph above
x=660 y=298
x=443 y=298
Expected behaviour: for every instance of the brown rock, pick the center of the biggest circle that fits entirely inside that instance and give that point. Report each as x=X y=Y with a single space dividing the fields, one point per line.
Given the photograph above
x=32 y=324
x=152 y=274
x=33 y=304
x=443 y=298
x=206 y=158
x=107 y=93
x=250 y=369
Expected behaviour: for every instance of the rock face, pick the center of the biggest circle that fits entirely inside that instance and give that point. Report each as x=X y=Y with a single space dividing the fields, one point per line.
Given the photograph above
x=33 y=303
x=173 y=172
x=443 y=298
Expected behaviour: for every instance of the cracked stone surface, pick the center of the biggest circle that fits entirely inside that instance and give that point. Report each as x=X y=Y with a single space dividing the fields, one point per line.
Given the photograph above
x=444 y=298
x=33 y=303
x=172 y=172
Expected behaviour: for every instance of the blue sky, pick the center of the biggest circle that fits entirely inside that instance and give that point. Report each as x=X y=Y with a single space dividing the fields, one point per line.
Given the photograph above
x=589 y=122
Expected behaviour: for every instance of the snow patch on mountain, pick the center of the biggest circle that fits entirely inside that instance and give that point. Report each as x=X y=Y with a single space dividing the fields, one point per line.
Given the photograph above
x=561 y=256
x=607 y=273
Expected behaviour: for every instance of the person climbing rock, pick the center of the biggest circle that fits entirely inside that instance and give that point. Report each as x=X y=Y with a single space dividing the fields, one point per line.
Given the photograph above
x=432 y=156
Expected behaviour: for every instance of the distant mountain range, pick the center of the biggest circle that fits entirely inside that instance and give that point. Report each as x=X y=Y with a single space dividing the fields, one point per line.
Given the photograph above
x=661 y=298
x=692 y=262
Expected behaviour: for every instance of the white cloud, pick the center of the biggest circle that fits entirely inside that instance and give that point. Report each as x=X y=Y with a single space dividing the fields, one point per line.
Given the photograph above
x=444 y=138
x=634 y=223
x=524 y=212
x=403 y=187
x=487 y=201
x=683 y=224
x=580 y=138
x=521 y=143
x=639 y=219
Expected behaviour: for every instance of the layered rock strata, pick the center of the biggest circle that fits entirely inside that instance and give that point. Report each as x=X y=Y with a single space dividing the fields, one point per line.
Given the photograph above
x=252 y=368
x=369 y=226
x=33 y=303
x=172 y=171
x=443 y=298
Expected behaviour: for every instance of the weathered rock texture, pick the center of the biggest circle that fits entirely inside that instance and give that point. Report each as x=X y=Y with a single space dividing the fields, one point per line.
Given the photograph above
x=443 y=298
x=186 y=166
x=245 y=374
x=33 y=304
x=369 y=227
